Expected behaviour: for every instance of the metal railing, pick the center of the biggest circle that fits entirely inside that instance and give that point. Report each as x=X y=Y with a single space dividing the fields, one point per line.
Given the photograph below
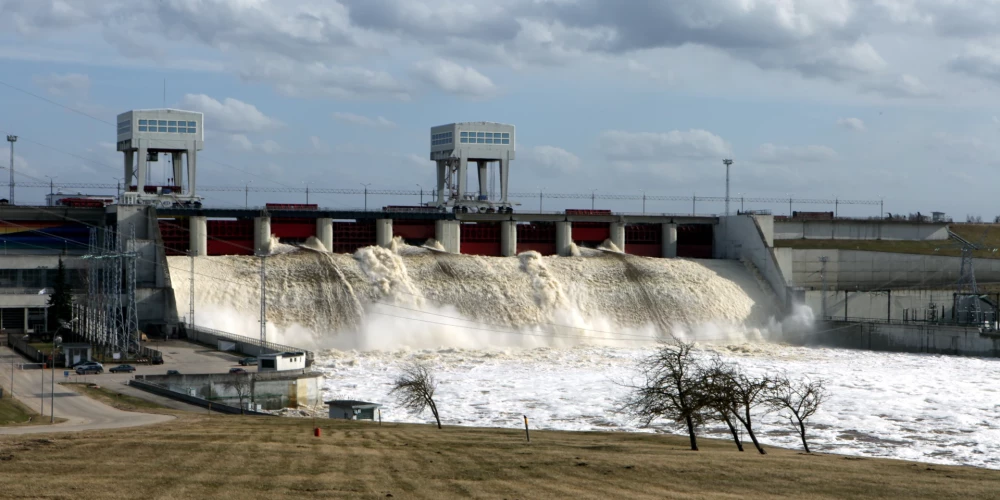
x=271 y=346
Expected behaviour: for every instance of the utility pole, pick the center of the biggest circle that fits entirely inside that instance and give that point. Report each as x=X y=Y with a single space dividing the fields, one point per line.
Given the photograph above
x=11 y=139
x=263 y=300
x=366 y=194
x=822 y=273
x=421 y=194
x=191 y=293
x=51 y=184
x=593 y=195
x=727 y=162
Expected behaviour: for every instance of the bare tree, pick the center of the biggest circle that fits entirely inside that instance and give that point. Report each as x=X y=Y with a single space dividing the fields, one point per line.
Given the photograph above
x=414 y=389
x=240 y=384
x=671 y=388
x=974 y=219
x=719 y=394
x=745 y=395
x=800 y=399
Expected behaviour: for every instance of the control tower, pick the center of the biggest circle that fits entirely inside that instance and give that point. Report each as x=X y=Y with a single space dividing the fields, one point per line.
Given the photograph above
x=145 y=133
x=456 y=145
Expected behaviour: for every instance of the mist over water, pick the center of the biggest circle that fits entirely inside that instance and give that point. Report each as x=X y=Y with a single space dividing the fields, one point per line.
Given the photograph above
x=411 y=297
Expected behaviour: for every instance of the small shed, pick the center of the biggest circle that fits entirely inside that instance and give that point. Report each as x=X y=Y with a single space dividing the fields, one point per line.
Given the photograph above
x=281 y=361
x=75 y=353
x=352 y=410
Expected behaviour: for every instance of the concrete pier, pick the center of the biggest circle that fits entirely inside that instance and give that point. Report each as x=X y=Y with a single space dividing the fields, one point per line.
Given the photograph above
x=383 y=232
x=508 y=238
x=618 y=235
x=324 y=232
x=564 y=238
x=448 y=233
x=262 y=235
x=669 y=241
x=198 y=234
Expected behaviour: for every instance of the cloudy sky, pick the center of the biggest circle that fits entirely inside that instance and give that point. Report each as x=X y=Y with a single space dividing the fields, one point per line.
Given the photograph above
x=814 y=98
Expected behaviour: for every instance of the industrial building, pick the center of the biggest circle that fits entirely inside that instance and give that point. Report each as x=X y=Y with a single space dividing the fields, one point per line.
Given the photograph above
x=121 y=248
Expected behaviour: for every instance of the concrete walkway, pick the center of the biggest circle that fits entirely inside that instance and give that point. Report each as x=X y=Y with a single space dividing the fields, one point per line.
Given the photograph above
x=81 y=412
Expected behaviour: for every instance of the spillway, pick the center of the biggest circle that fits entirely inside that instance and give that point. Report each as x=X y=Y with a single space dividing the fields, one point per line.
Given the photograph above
x=404 y=296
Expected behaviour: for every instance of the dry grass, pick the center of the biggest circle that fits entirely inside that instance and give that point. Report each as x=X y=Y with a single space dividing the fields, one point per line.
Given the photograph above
x=14 y=412
x=115 y=399
x=987 y=235
x=201 y=456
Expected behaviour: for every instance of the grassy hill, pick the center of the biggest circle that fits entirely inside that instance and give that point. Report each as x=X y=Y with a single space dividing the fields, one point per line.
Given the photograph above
x=988 y=235
x=200 y=456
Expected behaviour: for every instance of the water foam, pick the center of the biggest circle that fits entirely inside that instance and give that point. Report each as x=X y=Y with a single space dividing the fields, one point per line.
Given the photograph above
x=381 y=298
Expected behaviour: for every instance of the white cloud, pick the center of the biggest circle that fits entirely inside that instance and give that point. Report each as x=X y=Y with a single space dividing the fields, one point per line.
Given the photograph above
x=666 y=146
x=454 y=78
x=64 y=84
x=240 y=142
x=364 y=121
x=319 y=79
x=552 y=160
x=318 y=145
x=230 y=115
x=978 y=61
x=855 y=124
x=896 y=86
x=770 y=153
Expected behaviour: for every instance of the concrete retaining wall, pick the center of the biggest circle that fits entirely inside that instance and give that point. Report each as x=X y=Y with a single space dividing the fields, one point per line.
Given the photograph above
x=272 y=391
x=859 y=230
x=742 y=237
x=930 y=339
x=887 y=305
x=856 y=269
x=194 y=400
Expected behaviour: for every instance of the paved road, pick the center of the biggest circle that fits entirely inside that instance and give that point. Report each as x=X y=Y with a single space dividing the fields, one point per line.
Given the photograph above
x=82 y=412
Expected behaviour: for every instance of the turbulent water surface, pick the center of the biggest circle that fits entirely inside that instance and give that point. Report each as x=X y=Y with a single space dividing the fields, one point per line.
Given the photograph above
x=557 y=339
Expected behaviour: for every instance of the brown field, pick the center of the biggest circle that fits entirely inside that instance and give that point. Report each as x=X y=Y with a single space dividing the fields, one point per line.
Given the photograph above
x=987 y=235
x=115 y=399
x=200 y=456
x=13 y=412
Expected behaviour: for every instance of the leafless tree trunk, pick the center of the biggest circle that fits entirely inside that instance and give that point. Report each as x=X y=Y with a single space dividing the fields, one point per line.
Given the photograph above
x=739 y=395
x=671 y=389
x=719 y=394
x=799 y=399
x=414 y=389
x=240 y=383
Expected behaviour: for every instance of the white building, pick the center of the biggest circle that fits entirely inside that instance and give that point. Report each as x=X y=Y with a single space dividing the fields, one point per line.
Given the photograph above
x=281 y=361
x=145 y=133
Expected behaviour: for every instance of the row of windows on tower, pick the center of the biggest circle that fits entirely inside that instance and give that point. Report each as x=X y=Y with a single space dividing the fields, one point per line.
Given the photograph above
x=169 y=126
x=484 y=138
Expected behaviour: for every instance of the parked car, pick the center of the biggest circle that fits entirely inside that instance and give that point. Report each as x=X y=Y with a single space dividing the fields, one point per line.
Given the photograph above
x=95 y=368
x=85 y=364
x=237 y=371
x=250 y=361
x=156 y=361
x=173 y=372
x=122 y=369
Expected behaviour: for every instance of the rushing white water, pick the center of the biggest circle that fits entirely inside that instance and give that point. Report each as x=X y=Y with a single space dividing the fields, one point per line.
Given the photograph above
x=554 y=338
x=939 y=409
x=407 y=296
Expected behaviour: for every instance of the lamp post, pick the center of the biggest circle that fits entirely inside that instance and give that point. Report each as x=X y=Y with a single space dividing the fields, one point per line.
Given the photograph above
x=52 y=179
x=52 y=390
x=11 y=139
x=727 y=162
x=366 y=193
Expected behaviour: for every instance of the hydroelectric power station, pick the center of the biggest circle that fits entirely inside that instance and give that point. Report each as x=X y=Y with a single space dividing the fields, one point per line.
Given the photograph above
x=150 y=250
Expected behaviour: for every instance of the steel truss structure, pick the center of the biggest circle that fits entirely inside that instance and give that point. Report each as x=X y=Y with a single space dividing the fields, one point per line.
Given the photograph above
x=111 y=320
